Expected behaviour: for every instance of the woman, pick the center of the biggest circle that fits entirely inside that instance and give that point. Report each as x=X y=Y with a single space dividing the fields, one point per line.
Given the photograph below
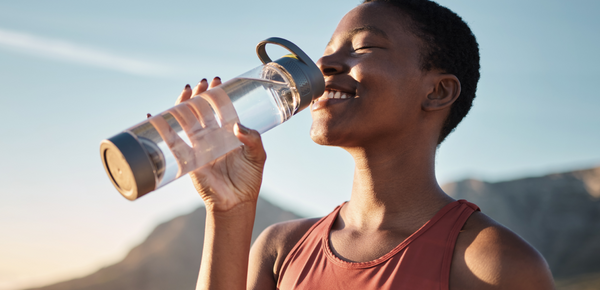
x=409 y=70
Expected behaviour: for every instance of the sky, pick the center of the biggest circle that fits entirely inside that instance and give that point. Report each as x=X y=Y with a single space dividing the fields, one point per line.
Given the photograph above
x=73 y=73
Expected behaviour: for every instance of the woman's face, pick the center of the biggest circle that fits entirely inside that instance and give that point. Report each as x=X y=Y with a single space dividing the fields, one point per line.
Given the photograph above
x=373 y=79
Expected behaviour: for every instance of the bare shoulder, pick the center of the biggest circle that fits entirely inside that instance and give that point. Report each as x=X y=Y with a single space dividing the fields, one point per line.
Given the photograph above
x=279 y=239
x=270 y=249
x=490 y=256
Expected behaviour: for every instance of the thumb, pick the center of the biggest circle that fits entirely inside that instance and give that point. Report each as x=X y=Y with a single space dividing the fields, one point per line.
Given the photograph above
x=253 y=148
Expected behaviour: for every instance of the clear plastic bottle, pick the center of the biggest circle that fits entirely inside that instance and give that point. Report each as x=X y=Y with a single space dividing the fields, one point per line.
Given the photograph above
x=181 y=139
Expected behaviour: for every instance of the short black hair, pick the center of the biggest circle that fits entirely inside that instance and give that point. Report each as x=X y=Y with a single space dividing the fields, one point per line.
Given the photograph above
x=449 y=45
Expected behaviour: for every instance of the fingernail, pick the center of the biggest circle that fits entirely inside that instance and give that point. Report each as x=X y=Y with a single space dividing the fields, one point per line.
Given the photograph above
x=217 y=78
x=187 y=86
x=203 y=81
x=243 y=129
x=148 y=115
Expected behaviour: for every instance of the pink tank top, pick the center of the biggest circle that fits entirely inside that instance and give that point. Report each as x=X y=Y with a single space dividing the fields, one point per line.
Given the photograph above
x=421 y=262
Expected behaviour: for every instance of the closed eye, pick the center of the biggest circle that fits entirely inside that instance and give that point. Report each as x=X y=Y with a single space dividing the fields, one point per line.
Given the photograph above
x=363 y=49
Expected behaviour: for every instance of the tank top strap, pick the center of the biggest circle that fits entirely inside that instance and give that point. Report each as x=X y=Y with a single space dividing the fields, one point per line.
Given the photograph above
x=326 y=223
x=465 y=210
x=321 y=227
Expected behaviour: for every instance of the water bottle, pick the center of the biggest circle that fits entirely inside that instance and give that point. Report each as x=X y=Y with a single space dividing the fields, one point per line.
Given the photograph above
x=164 y=147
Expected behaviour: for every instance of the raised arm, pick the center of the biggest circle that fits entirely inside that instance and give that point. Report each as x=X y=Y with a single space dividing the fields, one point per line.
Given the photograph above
x=229 y=187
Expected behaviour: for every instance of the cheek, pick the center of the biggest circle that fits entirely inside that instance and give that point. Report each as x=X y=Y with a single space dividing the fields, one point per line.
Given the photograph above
x=376 y=75
x=388 y=82
x=378 y=87
x=390 y=99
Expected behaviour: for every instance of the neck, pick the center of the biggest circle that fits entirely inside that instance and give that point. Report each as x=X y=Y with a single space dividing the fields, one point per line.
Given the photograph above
x=395 y=189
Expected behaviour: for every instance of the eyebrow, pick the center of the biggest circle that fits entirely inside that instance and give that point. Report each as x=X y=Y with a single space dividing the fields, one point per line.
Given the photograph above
x=367 y=28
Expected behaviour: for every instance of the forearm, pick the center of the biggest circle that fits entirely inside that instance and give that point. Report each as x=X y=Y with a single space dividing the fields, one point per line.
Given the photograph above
x=226 y=249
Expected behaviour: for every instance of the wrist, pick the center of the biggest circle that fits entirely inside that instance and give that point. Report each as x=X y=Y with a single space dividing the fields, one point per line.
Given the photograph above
x=241 y=209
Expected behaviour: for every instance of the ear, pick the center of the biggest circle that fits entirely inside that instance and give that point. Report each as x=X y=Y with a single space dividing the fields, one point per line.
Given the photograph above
x=445 y=91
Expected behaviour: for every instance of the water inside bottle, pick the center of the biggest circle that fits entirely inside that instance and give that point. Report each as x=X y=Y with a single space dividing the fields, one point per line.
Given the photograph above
x=200 y=130
x=262 y=104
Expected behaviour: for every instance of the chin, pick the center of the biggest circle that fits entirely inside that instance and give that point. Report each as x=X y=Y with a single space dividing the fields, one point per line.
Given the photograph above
x=317 y=136
x=323 y=136
x=320 y=135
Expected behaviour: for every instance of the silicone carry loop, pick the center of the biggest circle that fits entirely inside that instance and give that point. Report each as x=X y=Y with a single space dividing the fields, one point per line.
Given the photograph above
x=264 y=57
x=308 y=77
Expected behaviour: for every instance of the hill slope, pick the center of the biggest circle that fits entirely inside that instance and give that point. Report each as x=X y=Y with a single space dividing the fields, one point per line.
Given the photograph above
x=559 y=214
x=169 y=258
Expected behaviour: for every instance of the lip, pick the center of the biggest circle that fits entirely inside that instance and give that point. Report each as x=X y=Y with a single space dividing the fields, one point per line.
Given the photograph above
x=335 y=88
x=327 y=100
x=339 y=88
x=322 y=103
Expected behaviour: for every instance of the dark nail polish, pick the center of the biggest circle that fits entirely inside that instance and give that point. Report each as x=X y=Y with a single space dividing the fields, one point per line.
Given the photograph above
x=218 y=78
x=187 y=86
x=243 y=129
x=148 y=115
x=203 y=81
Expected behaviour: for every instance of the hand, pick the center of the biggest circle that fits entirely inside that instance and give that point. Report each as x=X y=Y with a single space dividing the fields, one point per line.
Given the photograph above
x=234 y=179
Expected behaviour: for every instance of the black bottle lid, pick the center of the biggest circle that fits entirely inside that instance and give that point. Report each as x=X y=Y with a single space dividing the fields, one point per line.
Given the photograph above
x=307 y=76
x=128 y=165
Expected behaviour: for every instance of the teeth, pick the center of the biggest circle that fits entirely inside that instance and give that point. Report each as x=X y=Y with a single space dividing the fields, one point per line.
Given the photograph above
x=336 y=95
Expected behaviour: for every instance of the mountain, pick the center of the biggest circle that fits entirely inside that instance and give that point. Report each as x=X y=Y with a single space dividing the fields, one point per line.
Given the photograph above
x=580 y=282
x=559 y=214
x=169 y=258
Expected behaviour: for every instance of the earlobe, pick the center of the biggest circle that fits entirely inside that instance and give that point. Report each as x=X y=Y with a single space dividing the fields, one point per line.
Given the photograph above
x=445 y=91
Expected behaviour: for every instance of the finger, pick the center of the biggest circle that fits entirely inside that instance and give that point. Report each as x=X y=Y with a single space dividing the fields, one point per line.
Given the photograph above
x=201 y=87
x=253 y=147
x=185 y=94
x=215 y=82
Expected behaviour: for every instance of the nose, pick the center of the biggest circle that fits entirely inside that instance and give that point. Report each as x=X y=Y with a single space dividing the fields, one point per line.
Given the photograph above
x=331 y=64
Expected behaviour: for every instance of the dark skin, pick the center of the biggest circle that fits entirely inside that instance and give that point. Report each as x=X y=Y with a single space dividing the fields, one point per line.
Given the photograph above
x=388 y=116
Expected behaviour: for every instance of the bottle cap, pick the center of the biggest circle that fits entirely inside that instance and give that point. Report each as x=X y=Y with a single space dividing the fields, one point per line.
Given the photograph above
x=307 y=76
x=128 y=165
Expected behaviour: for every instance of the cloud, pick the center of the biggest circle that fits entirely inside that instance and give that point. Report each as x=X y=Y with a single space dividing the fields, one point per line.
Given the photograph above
x=73 y=52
